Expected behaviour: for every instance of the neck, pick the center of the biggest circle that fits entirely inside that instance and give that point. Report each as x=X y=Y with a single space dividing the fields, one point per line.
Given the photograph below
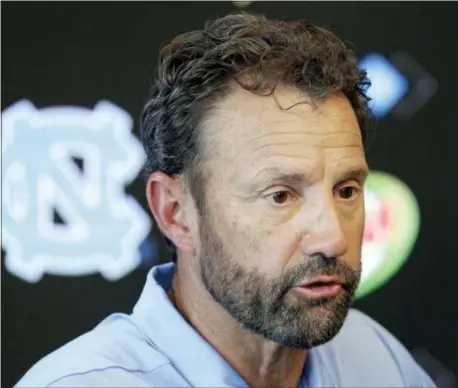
x=261 y=363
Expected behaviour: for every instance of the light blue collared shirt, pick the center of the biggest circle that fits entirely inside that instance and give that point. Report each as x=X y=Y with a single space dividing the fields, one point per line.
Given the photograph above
x=156 y=347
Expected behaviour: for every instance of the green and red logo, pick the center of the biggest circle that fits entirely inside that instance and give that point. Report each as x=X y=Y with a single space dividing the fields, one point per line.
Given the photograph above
x=392 y=225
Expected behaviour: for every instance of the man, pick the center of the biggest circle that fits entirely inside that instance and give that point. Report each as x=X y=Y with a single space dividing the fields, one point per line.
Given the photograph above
x=254 y=135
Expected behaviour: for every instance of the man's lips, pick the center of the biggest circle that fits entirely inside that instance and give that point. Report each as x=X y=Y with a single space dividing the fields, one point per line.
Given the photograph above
x=321 y=280
x=320 y=287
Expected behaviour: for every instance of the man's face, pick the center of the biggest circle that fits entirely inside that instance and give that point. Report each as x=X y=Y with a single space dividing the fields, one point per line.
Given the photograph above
x=283 y=207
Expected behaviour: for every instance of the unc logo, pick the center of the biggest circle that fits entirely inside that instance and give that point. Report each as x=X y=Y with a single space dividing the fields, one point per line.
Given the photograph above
x=61 y=217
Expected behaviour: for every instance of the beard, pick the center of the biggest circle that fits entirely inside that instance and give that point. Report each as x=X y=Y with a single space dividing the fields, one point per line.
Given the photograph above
x=266 y=306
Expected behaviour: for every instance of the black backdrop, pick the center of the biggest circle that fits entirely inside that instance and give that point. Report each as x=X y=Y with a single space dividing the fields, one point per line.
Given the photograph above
x=58 y=53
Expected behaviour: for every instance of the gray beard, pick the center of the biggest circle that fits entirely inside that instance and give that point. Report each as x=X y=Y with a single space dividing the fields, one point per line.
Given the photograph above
x=267 y=307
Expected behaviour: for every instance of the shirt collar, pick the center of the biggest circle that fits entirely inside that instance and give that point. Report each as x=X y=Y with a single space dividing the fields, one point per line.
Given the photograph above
x=198 y=362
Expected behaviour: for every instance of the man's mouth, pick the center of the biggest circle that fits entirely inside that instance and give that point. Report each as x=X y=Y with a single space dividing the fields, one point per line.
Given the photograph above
x=320 y=287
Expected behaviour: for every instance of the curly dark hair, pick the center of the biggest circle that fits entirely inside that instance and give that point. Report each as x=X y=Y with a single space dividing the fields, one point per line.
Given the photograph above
x=195 y=70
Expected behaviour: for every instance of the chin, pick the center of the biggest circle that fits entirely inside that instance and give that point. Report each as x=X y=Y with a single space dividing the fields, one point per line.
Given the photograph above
x=312 y=338
x=316 y=326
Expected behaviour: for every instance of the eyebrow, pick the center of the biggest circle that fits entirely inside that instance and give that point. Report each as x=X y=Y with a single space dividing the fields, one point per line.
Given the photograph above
x=359 y=174
x=275 y=176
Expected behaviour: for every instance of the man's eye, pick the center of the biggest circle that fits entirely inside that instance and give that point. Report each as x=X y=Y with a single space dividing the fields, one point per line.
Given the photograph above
x=280 y=197
x=348 y=192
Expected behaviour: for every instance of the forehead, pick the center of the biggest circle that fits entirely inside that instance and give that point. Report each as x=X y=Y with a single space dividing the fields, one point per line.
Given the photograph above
x=250 y=132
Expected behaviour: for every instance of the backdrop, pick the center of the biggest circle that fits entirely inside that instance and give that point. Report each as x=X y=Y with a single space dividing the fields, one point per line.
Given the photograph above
x=76 y=246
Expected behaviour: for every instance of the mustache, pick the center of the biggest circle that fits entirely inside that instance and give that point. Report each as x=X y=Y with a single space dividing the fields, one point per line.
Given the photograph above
x=319 y=266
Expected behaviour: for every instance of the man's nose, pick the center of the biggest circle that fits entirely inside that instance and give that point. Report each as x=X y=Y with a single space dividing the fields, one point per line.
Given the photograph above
x=324 y=235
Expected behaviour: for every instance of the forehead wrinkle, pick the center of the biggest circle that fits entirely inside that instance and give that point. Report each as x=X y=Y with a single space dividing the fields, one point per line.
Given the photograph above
x=303 y=148
x=301 y=166
x=307 y=126
x=272 y=159
x=294 y=129
x=352 y=161
x=270 y=139
x=333 y=147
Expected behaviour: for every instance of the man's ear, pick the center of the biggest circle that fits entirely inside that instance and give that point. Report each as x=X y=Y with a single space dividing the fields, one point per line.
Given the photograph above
x=167 y=201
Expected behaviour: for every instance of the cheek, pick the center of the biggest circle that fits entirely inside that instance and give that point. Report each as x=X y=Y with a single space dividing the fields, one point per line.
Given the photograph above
x=266 y=246
x=359 y=225
x=352 y=220
x=354 y=231
x=254 y=239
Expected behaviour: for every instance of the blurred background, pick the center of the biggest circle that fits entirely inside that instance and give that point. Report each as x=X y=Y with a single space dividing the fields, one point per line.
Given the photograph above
x=77 y=238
